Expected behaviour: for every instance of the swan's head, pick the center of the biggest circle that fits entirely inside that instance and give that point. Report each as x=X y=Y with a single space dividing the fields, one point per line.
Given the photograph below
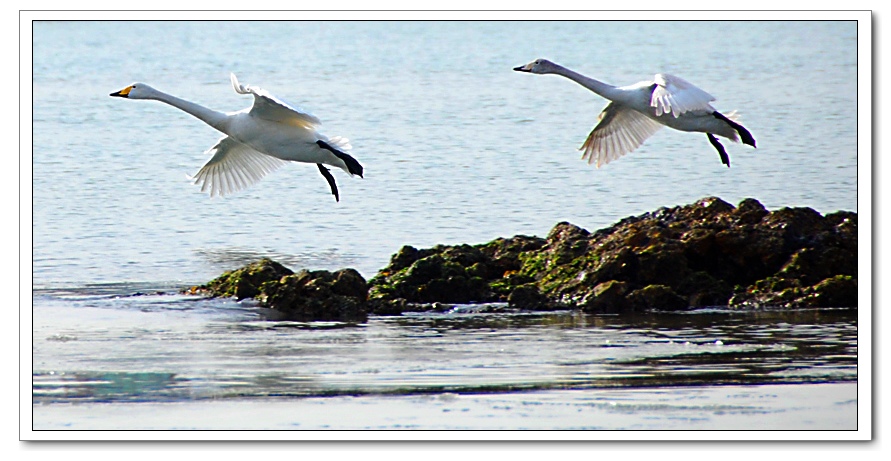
x=136 y=91
x=539 y=66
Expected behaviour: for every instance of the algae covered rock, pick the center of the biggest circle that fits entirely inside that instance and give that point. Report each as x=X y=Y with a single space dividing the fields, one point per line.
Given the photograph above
x=247 y=281
x=528 y=297
x=835 y=291
x=450 y=274
x=301 y=296
x=318 y=295
x=656 y=297
x=607 y=297
x=708 y=253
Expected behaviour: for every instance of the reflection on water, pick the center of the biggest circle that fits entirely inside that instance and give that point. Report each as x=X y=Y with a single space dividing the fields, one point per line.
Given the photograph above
x=233 y=258
x=178 y=348
x=105 y=387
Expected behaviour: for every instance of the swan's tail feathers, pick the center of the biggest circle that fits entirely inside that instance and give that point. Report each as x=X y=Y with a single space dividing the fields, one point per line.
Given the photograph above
x=732 y=119
x=734 y=116
x=352 y=165
x=328 y=177
x=725 y=159
x=341 y=143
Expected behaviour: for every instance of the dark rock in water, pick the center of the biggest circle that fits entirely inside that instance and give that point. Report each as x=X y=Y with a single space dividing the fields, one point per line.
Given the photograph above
x=395 y=306
x=708 y=253
x=609 y=297
x=406 y=256
x=304 y=296
x=750 y=211
x=447 y=277
x=656 y=297
x=245 y=282
x=705 y=254
x=450 y=274
x=835 y=291
x=838 y=290
x=318 y=295
x=703 y=290
x=528 y=297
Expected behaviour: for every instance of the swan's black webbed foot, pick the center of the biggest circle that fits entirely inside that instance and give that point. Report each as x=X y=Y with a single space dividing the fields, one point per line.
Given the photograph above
x=327 y=174
x=744 y=134
x=351 y=163
x=725 y=159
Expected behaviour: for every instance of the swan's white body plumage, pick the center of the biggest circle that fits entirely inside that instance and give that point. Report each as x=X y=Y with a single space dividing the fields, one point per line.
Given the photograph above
x=636 y=112
x=258 y=140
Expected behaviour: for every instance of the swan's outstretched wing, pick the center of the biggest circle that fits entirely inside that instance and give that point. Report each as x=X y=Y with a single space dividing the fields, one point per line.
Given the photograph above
x=674 y=95
x=621 y=130
x=233 y=167
x=268 y=107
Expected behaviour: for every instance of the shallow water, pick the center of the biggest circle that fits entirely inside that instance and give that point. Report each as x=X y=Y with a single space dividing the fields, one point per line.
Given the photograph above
x=457 y=149
x=160 y=352
x=810 y=407
x=166 y=350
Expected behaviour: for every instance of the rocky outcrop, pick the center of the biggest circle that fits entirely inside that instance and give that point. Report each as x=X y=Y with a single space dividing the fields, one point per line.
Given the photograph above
x=301 y=296
x=246 y=282
x=709 y=253
x=457 y=274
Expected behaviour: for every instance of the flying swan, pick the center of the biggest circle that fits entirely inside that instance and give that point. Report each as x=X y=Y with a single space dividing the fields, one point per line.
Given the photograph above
x=636 y=112
x=258 y=140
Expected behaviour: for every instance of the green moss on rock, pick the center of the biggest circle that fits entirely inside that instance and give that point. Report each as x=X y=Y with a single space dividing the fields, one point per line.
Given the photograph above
x=247 y=281
x=656 y=297
x=708 y=253
x=304 y=296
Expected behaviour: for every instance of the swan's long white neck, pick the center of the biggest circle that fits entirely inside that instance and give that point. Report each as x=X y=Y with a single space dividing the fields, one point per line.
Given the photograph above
x=209 y=116
x=603 y=89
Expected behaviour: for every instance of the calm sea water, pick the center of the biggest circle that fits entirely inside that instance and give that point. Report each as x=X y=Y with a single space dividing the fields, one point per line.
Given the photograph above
x=457 y=148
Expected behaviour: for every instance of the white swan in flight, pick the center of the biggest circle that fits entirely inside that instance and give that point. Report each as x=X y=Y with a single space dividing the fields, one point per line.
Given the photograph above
x=636 y=112
x=258 y=139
